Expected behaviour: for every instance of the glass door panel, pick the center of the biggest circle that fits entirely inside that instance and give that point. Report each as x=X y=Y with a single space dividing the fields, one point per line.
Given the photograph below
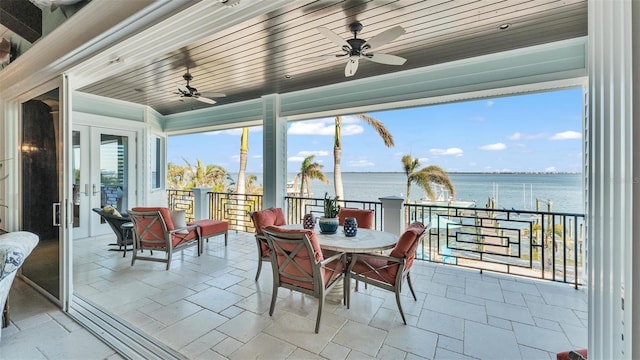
x=41 y=165
x=114 y=171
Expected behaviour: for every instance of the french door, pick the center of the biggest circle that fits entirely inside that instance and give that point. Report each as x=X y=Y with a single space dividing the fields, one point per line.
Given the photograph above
x=103 y=165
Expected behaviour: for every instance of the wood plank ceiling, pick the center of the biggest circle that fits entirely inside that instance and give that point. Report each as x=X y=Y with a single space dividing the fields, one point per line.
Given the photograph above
x=264 y=55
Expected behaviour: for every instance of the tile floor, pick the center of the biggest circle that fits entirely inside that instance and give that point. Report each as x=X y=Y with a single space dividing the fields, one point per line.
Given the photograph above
x=209 y=307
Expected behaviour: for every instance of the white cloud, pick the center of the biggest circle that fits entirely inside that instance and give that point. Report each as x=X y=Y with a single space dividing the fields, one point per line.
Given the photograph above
x=235 y=157
x=423 y=160
x=360 y=163
x=306 y=153
x=449 y=151
x=256 y=156
x=550 y=169
x=566 y=135
x=490 y=103
x=350 y=126
x=514 y=136
x=493 y=147
x=301 y=155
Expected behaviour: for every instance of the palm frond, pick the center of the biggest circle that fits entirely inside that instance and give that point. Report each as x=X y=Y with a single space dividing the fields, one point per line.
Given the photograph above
x=379 y=127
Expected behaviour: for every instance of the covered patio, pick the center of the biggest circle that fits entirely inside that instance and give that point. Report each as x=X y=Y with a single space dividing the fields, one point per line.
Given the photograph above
x=107 y=71
x=210 y=307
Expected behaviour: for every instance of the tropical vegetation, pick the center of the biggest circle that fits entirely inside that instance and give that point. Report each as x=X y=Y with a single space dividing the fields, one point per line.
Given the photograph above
x=185 y=177
x=377 y=125
x=309 y=170
x=425 y=177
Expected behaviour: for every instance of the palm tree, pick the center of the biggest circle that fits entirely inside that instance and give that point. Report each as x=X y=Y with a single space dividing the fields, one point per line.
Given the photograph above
x=210 y=175
x=310 y=170
x=337 y=147
x=425 y=177
x=244 y=150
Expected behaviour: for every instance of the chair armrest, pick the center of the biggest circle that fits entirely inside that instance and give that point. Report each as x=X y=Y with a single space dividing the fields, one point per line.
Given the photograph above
x=377 y=256
x=188 y=228
x=332 y=258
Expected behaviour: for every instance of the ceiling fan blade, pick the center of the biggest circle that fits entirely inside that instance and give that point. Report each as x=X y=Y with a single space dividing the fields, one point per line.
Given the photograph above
x=205 y=100
x=323 y=57
x=352 y=67
x=211 y=94
x=333 y=37
x=183 y=89
x=384 y=37
x=386 y=59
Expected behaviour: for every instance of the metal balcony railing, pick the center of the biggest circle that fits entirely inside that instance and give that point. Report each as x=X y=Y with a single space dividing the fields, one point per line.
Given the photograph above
x=544 y=245
x=538 y=244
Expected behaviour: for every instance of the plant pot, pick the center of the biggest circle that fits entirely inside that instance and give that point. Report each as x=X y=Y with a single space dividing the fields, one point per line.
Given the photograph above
x=328 y=225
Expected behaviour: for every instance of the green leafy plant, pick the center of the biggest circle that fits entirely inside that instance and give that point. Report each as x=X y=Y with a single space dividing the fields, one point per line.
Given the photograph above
x=331 y=207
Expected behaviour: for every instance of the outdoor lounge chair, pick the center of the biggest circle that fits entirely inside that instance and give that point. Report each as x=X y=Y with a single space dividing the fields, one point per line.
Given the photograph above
x=153 y=229
x=388 y=271
x=298 y=264
x=124 y=237
x=262 y=219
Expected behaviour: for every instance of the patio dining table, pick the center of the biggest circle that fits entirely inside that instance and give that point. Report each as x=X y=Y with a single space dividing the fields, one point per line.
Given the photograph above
x=365 y=241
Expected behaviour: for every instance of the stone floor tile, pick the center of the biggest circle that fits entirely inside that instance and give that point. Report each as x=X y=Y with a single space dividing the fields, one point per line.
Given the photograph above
x=263 y=346
x=543 y=339
x=444 y=324
x=452 y=344
x=334 y=351
x=509 y=312
x=244 y=326
x=359 y=337
x=456 y=308
x=413 y=340
x=489 y=342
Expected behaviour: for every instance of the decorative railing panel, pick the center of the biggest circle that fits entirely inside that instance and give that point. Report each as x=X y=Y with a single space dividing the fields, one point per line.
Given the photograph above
x=234 y=208
x=182 y=200
x=297 y=207
x=543 y=245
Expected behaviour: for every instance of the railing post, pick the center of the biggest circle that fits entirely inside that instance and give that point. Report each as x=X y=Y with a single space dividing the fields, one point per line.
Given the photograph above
x=201 y=203
x=393 y=214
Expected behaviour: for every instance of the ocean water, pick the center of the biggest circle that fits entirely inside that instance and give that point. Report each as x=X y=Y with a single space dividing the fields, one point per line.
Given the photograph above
x=518 y=191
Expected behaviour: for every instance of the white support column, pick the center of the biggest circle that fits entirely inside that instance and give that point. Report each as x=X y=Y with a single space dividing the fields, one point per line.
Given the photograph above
x=613 y=180
x=274 y=172
x=201 y=203
x=393 y=214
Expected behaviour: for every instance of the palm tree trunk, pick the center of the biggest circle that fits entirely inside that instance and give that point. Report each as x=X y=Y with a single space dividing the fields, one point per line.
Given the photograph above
x=408 y=199
x=241 y=184
x=337 y=155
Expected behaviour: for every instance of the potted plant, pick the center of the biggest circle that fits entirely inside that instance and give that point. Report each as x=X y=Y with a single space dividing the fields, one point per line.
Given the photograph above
x=329 y=223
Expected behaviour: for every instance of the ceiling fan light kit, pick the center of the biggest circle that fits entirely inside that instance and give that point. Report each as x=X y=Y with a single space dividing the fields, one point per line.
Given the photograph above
x=356 y=48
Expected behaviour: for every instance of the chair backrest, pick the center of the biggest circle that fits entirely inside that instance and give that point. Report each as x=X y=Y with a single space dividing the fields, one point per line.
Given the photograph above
x=363 y=217
x=267 y=217
x=408 y=244
x=115 y=222
x=295 y=257
x=151 y=226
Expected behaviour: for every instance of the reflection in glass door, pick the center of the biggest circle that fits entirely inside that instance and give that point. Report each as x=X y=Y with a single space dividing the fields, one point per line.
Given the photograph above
x=41 y=162
x=114 y=173
x=103 y=169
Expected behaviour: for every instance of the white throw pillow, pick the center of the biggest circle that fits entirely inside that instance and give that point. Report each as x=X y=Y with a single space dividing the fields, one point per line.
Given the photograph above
x=178 y=217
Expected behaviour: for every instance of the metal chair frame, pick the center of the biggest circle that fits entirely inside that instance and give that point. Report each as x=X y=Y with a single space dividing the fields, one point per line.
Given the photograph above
x=147 y=239
x=401 y=274
x=316 y=277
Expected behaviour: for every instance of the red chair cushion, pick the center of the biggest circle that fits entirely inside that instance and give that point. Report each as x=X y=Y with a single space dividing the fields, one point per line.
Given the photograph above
x=565 y=354
x=363 y=217
x=264 y=218
x=210 y=227
x=166 y=214
x=406 y=246
x=302 y=258
x=383 y=273
x=268 y=217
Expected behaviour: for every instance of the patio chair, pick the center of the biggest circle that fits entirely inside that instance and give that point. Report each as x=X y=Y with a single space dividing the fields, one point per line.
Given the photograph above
x=363 y=217
x=124 y=237
x=298 y=264
x=388 y=271
x=262 y=219
x=153 y=229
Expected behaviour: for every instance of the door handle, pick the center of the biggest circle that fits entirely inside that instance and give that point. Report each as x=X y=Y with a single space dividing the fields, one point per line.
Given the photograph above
x=95 y=192
x=56 y=214
x=86 y=190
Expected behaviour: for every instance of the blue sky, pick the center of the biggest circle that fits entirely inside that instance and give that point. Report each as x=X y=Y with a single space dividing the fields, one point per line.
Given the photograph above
x=533 y=133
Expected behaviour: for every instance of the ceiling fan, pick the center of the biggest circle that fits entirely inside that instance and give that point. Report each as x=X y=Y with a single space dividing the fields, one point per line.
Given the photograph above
x=356 y=49
x=187 y=91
